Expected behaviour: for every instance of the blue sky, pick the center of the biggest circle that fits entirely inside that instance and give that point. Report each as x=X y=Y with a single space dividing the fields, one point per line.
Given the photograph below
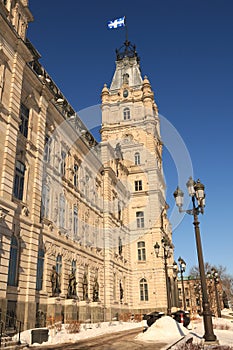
x=186 y=51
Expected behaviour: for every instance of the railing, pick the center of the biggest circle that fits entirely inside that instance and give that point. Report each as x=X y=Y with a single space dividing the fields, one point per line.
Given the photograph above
x=1 y=331
x=11 y=322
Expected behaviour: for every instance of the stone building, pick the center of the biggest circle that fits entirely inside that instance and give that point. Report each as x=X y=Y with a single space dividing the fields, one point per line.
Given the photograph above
x=193 y=295
x=78 y=218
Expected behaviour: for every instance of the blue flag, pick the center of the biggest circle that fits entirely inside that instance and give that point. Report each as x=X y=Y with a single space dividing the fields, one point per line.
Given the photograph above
x=116 y=23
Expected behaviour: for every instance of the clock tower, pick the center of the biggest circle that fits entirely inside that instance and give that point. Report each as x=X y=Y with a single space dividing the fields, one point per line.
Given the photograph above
x=130 y=121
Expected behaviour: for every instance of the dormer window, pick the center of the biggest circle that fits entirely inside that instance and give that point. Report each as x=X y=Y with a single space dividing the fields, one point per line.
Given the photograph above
x=126 y=113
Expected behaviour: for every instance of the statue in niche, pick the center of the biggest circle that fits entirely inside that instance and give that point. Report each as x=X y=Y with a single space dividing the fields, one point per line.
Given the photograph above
x=126 y=78
x=121 y=292
x=85 y=286
x=96 y=289
x=72 y=292
x=55 y=283
x=120 y=246
x=119 y=211
x=118 y=151
x=2 y=79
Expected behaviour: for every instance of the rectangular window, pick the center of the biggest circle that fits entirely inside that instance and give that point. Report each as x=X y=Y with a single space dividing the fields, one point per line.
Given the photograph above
x=24 y=116
x=63 y=163
x=138 y=185
x=45 y=201
x=19 y=180
x=141 y=251
x=140 y=219
x=75 y=223
x=40 y=269
x=62 y=211
x=75 y=175
x=47 y=149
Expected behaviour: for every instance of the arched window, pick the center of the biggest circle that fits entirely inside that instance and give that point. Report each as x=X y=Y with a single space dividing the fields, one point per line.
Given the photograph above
x=126 y=113
x=141 y=251
x=13 y=262
x=143 y=290
x=40 y=269
x=19 y=180
x=137 y=160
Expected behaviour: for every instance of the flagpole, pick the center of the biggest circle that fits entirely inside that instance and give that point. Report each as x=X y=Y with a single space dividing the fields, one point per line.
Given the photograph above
x=126 y=31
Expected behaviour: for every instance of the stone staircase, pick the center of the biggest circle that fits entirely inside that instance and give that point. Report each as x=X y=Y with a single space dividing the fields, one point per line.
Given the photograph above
x=8 y=344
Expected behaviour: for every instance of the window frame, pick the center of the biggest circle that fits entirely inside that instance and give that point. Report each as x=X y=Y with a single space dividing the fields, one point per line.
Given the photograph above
x=75 y=176
x=141 y=247
x=126 y=113
x=144 y=291
x=75 y=221
x=13 y=267
x=62 y=210
x=140 y=219
x=40 y=269
x=137 y=158
x=24 y=117
x=59 y=268
x=63 y=163
x=19 y=180
x=47 y=149
x=138 y=185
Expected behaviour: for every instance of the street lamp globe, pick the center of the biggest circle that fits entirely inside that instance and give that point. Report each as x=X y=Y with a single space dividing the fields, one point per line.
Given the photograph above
x=179 y=197
x=200 y=194
x=190 y=186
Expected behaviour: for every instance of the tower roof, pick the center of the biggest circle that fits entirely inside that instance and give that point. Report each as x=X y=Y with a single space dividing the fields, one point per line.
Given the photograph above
x=127 y=50
x=127 y=67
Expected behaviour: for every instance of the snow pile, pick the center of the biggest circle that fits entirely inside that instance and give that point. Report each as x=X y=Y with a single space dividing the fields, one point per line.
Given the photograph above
x=62 y=336
x=227 y=312
x=223 y=329
x=164 y=330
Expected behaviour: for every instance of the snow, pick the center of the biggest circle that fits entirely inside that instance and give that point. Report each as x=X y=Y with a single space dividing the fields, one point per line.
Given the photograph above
x=164 y=330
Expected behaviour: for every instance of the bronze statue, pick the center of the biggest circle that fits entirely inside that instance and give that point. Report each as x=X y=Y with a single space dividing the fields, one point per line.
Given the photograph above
x=96 y=290
x=54 y=278
x=72 y=292
x=121 y=292
x=85 y=286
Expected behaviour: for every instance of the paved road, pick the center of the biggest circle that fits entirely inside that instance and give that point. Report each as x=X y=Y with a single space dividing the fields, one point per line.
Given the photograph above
x=115 y=341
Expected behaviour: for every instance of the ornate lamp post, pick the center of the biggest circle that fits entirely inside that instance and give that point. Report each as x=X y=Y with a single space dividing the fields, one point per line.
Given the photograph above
x=182 y=267
x=167 y=248
x=214 y=275
x=196 y=191
x=197 y=289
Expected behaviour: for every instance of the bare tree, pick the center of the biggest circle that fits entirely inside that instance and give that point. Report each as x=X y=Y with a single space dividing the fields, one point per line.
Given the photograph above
x=226 y=279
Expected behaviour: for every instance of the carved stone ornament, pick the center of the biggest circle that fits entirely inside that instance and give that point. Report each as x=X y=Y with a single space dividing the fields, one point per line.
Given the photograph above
x=25 y=211
x=50 y=248
x=3 y=214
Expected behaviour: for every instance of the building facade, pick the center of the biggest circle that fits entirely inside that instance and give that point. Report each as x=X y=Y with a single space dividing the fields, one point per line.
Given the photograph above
x=192 y=299
x=78 y=218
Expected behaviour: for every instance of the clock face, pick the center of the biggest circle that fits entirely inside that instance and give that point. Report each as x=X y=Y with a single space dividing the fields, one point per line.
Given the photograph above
x=125 y=93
